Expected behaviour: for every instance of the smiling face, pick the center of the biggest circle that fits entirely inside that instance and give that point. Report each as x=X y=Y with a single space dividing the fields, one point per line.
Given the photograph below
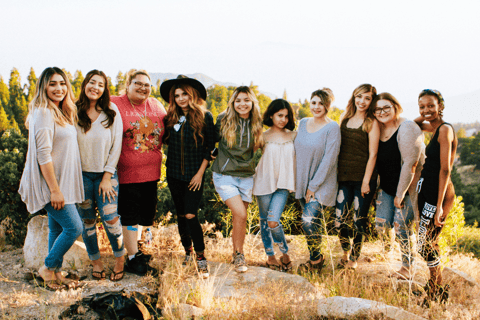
x=384 y=111
x=363 y=101
x=280 y=118
x=95 y=87
x=139 y=89
x=243 y=105
x=182 y=99
x=56 y=89
x=317 y=108
x=429 y=107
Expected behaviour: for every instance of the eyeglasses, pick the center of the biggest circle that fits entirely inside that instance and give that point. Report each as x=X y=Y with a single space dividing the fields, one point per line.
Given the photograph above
x=139 y=84
x=386 y=109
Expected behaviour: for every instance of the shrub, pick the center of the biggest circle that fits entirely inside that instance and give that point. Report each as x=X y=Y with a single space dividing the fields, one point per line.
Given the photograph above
x=13 y=212
x=454 y=226
x=470 y=241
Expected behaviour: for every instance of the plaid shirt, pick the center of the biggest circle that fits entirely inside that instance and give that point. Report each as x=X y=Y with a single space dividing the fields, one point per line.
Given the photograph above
x=184 y=159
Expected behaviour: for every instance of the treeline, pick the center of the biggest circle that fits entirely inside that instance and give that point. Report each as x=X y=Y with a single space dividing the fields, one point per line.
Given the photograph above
x=14 y=98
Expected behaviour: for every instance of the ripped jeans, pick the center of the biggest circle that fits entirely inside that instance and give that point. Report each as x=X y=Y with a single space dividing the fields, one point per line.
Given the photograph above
x=388 y=216
x=271 y=208
x=107 y=211
x=313 y=225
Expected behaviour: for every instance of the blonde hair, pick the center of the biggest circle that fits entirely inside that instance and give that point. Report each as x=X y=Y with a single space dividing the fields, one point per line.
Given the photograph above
x=66 y=113
x=230 y=121
x=130 y=75
x=196 y=115
x=352 y=109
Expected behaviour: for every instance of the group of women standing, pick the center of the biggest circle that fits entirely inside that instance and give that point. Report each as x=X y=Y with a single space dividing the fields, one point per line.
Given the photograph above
x=105 y=152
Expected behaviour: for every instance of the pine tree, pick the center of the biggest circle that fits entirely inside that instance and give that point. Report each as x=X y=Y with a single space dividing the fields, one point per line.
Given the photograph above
x=32 y=84
x=285 y=95
x=4 y=123
x=111 y=87
x=18 y=102
x=213 y=110
x=77 y=83
x=5 y=97
x=120 y=82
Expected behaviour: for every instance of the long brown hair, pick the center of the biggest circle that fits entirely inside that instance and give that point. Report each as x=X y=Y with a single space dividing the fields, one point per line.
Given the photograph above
x=352 y=109
x=83 y=103
x=195 y=116
x=67 y=113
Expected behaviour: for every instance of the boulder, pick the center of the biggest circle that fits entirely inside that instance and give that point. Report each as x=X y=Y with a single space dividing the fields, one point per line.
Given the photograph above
x=457 y=273
x=35 y=248
x=188 y=311
x=352 y=308
x=254 y=283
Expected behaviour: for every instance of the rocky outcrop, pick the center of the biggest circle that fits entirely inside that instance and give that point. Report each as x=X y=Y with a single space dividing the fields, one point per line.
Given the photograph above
x=35 y=248
x=352 y=308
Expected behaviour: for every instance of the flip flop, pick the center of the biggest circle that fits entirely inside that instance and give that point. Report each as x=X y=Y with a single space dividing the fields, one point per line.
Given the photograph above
x=98 y=275
x=73 y=284
x=51 y=285
x=286 y=267
x=113 y=275
x=273 y=266
x=342 y=264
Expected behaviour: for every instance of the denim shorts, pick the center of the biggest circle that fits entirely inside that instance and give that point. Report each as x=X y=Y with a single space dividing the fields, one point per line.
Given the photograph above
x=229 y=186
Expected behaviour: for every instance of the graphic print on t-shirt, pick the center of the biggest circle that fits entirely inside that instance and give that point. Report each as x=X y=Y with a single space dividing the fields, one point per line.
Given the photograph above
x=144 y=135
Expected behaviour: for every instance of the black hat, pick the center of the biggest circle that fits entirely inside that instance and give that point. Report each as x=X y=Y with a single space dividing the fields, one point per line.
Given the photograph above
x=167 y=86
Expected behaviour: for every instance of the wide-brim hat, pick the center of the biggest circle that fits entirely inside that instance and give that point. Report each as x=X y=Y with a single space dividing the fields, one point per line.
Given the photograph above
x=167 y=86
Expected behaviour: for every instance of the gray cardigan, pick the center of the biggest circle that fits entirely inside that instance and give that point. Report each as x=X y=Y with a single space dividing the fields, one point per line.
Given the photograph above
x=316 y=162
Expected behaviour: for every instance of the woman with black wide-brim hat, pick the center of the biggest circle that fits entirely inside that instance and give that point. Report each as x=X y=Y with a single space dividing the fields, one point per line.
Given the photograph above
x=190 y=136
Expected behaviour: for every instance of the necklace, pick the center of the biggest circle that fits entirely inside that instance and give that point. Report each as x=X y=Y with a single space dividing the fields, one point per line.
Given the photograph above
x=144 y=112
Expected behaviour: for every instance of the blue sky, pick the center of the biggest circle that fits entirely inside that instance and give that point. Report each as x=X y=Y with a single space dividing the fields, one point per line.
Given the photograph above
x=399 y=46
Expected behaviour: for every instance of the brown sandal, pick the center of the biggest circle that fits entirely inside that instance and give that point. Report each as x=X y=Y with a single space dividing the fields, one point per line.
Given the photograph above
x=113 y=275
x=311 y=267
x=286 y=267
x=98 y=275
x=273 y=266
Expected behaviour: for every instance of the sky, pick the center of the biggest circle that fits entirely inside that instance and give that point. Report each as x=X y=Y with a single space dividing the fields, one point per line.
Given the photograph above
x=299 y=46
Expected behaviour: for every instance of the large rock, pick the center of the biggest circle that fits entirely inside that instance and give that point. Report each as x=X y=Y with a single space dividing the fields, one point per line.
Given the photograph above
x=36 y=247
x=254 y=283
x=462 y=275
x=351 y=308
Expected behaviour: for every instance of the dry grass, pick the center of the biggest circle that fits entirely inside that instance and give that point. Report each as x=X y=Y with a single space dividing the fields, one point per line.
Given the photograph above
x=181 y=285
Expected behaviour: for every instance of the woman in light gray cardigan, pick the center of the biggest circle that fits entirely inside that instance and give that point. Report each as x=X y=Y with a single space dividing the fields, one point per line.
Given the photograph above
x=400 y=157
x=316 y=146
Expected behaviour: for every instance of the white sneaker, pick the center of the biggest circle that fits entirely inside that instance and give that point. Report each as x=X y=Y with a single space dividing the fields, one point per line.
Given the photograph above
x=202 y=267
x=239 y=262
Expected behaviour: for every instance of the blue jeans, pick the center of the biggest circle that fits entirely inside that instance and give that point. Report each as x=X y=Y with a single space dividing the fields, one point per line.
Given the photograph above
x=64 y=227
x=350 y=195
x=107 y=211
x=388 y=216
x=271 y=207
x=312 y=224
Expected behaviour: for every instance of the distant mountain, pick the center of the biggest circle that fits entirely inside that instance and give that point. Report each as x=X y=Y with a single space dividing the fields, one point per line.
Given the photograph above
x=204 y=79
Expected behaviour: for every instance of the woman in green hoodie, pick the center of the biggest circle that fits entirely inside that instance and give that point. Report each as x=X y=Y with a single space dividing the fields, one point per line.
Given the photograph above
x=239 y=132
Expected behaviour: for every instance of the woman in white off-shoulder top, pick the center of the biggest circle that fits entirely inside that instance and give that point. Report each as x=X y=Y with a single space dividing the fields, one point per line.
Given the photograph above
x=275 y=178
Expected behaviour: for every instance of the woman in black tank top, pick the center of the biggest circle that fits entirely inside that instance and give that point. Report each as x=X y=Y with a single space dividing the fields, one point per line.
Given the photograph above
x=436 y=192
x=399 y=151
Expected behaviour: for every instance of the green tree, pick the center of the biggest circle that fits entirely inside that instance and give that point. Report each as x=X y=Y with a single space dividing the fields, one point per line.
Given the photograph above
x=4 y=122
x=5 y=97
x=111 y=87
x=285 y=97
x=77 y=83
x=18 y=101
x=32 y=84
x=263 y=102
x=334 y=113
x=213 y=110
x=304 y=110
x=461 y=133
x=120 y=82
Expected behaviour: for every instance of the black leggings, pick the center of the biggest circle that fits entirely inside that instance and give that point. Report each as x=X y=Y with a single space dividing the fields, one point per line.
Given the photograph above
x=187 y=202
x=428 y=232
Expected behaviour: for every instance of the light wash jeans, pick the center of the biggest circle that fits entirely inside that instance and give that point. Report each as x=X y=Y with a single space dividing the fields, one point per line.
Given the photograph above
x=107 y=211
x=388 y=216
x=312 y=224
x=64 y=227
x=271 y=208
